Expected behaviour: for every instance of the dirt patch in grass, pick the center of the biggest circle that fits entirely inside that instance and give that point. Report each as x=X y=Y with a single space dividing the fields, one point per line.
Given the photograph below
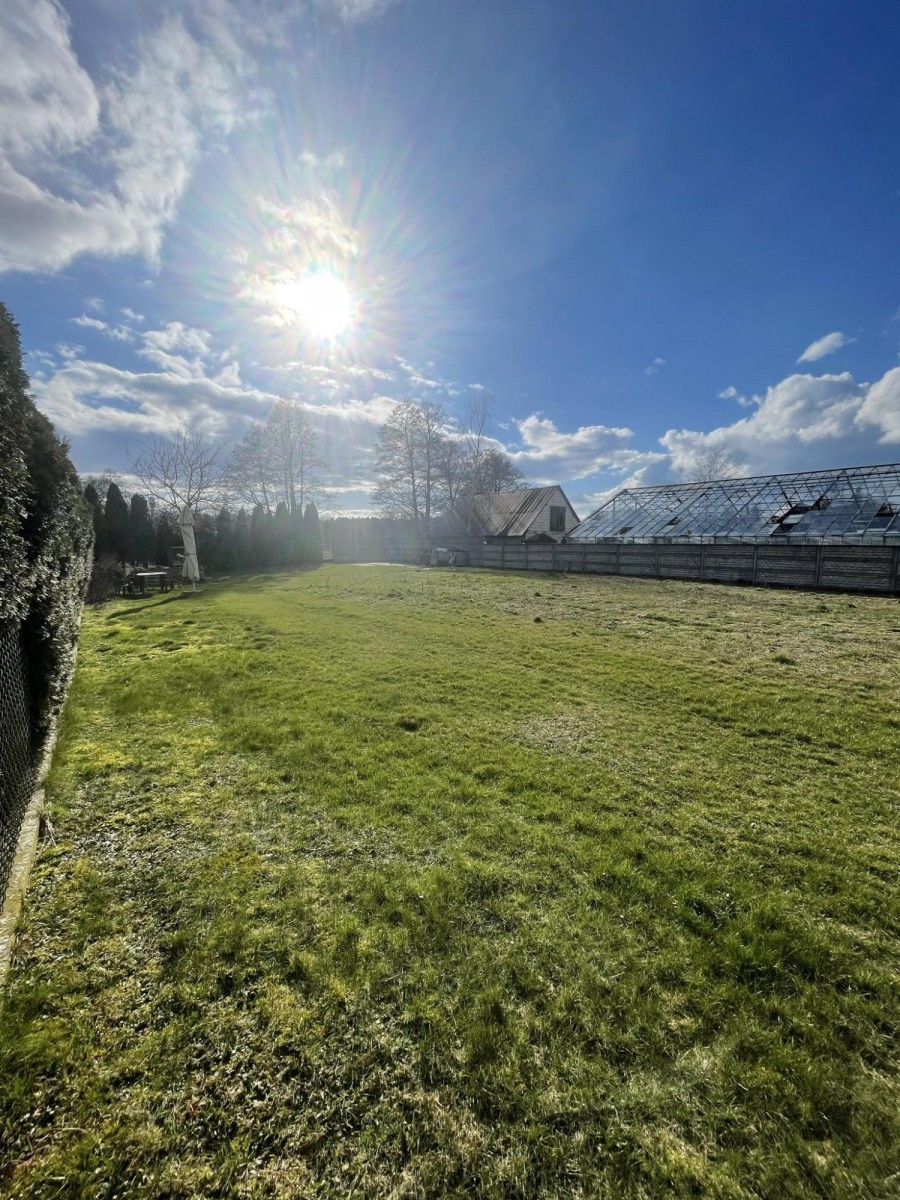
x=562 y=733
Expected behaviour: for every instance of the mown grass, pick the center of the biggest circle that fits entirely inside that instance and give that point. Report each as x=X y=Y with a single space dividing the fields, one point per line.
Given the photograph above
x=381 y=882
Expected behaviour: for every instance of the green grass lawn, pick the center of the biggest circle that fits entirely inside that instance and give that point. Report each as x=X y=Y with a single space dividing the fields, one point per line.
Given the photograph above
x=384 y=882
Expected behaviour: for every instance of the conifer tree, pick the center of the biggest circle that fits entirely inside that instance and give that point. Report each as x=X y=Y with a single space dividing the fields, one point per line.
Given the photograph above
x=242 y=541
x=260 y=537
x=165 y=539
x=143 y=537
x=224 y=551
x=283 y=550
x=98 y=520
x=313 y=537
x=118 y=525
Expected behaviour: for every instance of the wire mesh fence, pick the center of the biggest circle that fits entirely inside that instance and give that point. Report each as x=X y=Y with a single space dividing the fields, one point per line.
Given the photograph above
x=16 y=759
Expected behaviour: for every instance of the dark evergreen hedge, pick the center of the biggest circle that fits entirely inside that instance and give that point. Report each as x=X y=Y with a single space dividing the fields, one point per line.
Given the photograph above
x=46 y=533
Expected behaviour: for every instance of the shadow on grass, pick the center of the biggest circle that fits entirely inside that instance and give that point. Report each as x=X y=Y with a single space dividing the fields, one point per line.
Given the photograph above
x=173 y=598
x=257 y=581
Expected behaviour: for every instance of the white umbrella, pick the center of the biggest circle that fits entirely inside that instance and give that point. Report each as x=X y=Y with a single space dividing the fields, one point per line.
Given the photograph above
x=190 y=568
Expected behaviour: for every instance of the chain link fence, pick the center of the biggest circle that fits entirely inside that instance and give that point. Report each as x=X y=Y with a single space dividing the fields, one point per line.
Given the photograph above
x=16 y=761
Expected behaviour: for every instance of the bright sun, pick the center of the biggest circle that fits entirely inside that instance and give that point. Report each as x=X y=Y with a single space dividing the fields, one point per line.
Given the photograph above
x=321 y=302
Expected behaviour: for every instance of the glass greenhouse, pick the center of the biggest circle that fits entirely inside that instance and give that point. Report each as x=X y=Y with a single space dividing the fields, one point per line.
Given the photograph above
x=851 y=505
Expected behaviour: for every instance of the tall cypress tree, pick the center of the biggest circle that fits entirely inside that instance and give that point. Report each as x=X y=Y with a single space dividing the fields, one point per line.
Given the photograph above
x=242 y=541
x=261 y=537
x=165 y=539
x=118 y=524
x=143 y=537
x=98 y=520
x=283 y=551
x=224 y=550
x=313 y=539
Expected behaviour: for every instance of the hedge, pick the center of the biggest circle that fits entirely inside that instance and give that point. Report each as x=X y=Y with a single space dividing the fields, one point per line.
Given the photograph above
x=46 y=534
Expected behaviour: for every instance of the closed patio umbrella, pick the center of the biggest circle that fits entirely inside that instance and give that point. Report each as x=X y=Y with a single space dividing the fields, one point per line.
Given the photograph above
x=190 y=568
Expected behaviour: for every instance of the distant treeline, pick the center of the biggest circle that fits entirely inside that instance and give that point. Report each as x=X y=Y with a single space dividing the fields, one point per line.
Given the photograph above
x=131 y=532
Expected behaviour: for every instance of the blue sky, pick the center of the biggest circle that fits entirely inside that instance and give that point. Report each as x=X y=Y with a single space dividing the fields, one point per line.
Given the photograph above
x=647 y=228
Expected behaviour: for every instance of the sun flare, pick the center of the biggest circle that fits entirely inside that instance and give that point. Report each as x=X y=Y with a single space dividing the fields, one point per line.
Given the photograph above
x=321 y=302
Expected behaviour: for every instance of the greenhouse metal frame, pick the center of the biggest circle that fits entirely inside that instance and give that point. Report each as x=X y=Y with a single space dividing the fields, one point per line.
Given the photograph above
x=843 y=506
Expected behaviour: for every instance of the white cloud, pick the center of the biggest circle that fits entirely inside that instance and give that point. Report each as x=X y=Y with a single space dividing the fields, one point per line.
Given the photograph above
x=335 y=161
x=731 y=393
x=805 y=421
x=548 y=455
x=85 y=397
x=881 y=407
x=176 y=336
x=48 y=100
x=132 y=315
x=828 y=344
x=419 y=381
x=653 y=369
x=142 y=133
x=198 y=387
x=178 y=348
x=120 y=333
x=352 y=11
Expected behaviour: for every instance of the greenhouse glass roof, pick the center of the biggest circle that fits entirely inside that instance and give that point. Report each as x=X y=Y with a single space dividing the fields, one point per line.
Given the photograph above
x=857 y=505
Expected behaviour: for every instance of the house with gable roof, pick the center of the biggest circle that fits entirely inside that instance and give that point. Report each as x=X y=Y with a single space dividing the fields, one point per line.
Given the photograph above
x=541 y=514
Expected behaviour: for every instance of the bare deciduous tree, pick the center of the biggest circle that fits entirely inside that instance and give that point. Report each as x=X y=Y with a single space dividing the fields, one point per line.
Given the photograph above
x=295 y=451
x=183 y=469
x=712 y=463
x=278 y=462
x=428 y=465
x=496 y=474
x=481 y=468
x=251 y=474
x=411 y=444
